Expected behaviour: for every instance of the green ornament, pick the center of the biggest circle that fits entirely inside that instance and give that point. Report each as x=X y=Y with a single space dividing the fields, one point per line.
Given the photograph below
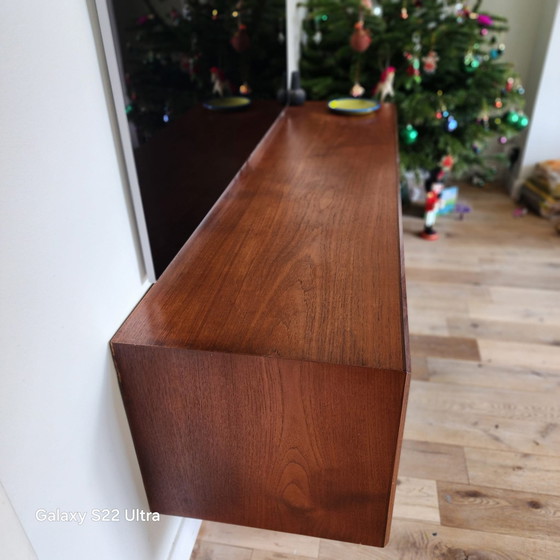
x=409 y=134
x=512 y=118
x=523 y=122
x=472 y=62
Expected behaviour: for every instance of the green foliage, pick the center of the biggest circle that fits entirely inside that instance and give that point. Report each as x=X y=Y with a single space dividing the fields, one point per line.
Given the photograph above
x=470 y=83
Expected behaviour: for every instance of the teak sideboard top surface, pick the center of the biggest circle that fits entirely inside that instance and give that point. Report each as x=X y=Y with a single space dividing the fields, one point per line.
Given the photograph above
x=265 y=375
x=301 y=256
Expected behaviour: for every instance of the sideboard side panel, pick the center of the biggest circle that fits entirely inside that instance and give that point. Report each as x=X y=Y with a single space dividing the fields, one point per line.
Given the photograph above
x=299 y=447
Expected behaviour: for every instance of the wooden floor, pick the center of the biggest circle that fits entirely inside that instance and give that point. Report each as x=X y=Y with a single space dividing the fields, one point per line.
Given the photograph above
x=480 y=469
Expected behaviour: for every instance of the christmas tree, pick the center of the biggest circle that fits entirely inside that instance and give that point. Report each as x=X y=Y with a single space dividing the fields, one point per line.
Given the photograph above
x=439 y=61
x=200 y=49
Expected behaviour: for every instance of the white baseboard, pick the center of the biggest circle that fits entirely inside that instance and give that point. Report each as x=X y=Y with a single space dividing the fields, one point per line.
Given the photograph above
x=185 y=539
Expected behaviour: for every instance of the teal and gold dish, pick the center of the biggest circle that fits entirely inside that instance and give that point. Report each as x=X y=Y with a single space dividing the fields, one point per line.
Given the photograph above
x=353 y=106
x=230 y=103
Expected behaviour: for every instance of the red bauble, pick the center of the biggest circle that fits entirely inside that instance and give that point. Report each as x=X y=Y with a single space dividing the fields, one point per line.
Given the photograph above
x=361 y=39
x=241 y=41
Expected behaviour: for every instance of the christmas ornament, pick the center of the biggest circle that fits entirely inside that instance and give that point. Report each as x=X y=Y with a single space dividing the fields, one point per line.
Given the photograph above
x=413 y=69
x=512 y=117
x=451 y=124
x=219 y=84
x=357 y=90
x=430 y=62
x=361 y=38
x=409 y=134
x=240 y=40
x=502 y=140
x=498 y=103
x=509 y=84
x=517 y=119
x=385 y=84
x=244 y=89
x=485 y=20
x=471 y=61
x=523 y=122
x=447 y=162
x=166 y=116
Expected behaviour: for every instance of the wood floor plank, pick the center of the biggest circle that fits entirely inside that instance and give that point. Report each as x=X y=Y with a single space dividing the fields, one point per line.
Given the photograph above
x=267 y=555
x=434 y=461
x=213 y=551
x=514 y=471
x=494 y=510
x=477 y=274
x=247 y=537
x=538 y=356
x=516 y=313
x=416 y=499
x=425 y=304
x=501 y=404
x=529 y=296
x=412 y=540
x=428 y=322
x=454 y=294
x=476 y=327
x=444 y=347
x=462 y=372
x=442 y=276
x=486 y=432
x=419 y=367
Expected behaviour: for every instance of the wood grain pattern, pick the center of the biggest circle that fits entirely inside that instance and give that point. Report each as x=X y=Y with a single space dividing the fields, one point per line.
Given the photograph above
x=265 y=376
x=444 y=347
x=499 y=376
x=205 y=551
x=301 y=257
x=271 y=543
x=413 y=540
x=294 y=446
x=495 y=510
x=416 y=498
x=500 y=414
x=514 y=471
x=433 y=461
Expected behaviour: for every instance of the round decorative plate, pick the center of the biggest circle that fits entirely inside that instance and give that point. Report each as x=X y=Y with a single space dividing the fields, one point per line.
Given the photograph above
x=353 y=106
x=230 y=103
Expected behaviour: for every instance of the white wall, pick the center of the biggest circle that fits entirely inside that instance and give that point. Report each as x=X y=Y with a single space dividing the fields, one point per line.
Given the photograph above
x=70 y=274
x=524 y=18
x=543 y=137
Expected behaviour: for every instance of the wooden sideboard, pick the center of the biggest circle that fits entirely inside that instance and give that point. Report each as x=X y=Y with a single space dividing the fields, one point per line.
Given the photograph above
x=265 y=375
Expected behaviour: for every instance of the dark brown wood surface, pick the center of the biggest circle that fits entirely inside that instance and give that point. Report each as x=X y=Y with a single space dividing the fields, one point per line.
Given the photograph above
x=301 y=258
x=265 y=375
